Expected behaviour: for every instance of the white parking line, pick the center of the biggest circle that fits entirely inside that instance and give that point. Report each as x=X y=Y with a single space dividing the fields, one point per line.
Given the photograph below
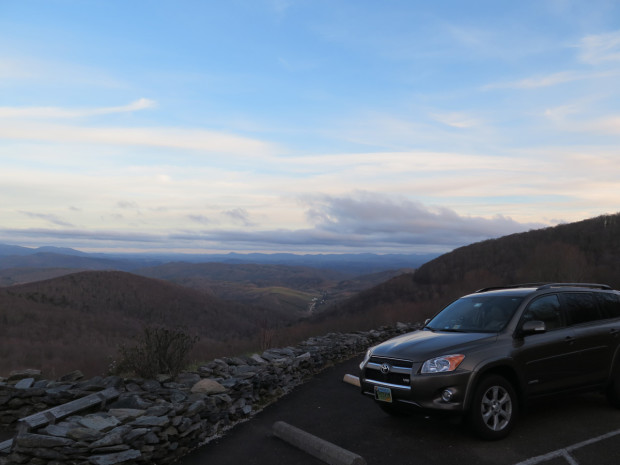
x=567 y=450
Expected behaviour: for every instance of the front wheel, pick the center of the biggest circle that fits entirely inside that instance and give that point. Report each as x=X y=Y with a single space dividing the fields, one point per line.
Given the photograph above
x=494 y=408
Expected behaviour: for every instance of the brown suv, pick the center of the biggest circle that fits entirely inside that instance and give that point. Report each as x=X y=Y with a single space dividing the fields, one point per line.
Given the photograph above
x=486 y=353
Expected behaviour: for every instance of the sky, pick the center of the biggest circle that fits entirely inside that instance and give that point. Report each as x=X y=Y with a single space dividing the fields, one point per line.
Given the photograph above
x=304 y=126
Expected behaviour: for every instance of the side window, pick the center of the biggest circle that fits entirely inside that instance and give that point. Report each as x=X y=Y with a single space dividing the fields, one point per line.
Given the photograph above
x=580 y=307
x=547 y=309
x=609 y=304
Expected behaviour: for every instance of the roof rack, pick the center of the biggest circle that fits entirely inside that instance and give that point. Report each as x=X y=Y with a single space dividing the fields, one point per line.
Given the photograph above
x=540 y=286
x=588 y=285
x=509 y=286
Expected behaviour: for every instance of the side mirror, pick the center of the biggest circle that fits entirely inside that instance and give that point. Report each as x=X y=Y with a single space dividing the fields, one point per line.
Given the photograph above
x=533 y=327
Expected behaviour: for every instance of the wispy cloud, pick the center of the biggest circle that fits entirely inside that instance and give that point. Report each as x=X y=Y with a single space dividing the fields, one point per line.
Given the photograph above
x=179 y=138
x=600 y=48
x=456 y=120
x=47 y=217
x=59 y=112
x=550 y=80
x=240 y=216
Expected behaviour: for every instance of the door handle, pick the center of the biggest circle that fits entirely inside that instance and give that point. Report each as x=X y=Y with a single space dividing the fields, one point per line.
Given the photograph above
x=570 y=339
x=614 y=332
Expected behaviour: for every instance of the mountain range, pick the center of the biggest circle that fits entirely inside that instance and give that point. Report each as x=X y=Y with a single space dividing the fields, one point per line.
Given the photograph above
x=62 y=309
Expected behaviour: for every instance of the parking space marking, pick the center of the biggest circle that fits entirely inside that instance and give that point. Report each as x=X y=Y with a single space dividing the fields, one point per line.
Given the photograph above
x=565 y=452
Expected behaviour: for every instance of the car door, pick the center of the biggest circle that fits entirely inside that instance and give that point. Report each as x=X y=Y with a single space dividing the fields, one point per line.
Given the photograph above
x=592 y=338
x=548 y=360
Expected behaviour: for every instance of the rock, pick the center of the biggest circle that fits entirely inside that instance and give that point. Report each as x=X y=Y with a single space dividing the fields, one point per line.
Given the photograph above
x=147 y=420
x=125 y=414
x=24 y=383
x=73 y=376
x=188 y=379
x=131 y=402
x=151 y=385
x=57 y=430
x=99 y=422
x=208 y=386
x=16 y=375
x=258 y=359
x=81 y=433
x=40 y=440
x=111 y=459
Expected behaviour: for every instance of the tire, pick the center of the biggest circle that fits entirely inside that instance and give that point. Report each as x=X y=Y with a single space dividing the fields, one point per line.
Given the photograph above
x=494 y=408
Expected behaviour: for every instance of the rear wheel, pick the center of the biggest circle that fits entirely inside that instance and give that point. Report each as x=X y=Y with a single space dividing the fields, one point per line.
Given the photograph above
x=494 y=408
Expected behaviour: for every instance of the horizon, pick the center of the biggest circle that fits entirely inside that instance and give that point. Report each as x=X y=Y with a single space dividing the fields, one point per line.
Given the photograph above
x=286 y=126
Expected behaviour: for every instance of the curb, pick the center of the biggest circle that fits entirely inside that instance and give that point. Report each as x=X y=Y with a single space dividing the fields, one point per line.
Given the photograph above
x=354 y=380
x=315 y=446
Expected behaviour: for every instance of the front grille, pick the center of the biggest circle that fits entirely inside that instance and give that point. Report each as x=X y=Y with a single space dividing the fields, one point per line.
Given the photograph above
x=396 y=362
x=399 y=373
x=392 y=378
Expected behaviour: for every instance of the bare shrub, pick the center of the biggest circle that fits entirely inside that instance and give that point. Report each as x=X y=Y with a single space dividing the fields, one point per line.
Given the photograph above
x=158 y=350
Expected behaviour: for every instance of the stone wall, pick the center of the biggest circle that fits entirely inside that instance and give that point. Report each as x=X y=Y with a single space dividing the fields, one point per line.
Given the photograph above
x=159 y=421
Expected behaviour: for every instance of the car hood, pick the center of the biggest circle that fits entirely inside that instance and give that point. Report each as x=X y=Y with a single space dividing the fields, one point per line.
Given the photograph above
x=424 y=344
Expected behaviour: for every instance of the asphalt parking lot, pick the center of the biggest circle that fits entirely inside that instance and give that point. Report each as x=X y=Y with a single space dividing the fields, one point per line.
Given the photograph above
x=582 y=430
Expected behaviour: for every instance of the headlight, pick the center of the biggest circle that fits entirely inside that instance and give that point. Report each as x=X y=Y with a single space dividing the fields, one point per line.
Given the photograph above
x=442 y=364
x=366 y=358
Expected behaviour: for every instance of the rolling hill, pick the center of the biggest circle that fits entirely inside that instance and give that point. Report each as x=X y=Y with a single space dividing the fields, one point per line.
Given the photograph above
x=585 y=251
x=78 y=320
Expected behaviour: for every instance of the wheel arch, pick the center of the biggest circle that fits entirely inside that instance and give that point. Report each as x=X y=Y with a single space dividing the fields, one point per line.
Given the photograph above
x=503 y=369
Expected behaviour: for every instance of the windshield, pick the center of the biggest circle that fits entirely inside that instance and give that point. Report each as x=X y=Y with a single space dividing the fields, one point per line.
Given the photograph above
x=473 y=314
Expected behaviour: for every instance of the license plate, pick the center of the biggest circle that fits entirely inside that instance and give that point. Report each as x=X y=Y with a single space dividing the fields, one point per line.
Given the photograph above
x=383 y=394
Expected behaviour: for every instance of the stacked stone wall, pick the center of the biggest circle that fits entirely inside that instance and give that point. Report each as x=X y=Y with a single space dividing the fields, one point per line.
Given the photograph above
x=160 y=421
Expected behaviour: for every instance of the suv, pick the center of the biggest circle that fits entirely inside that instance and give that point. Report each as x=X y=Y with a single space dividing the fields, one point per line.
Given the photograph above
x=486 y=353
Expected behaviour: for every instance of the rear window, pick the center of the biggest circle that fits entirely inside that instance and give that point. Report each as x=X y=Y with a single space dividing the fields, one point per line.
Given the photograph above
x=609 y=304
x=580 y=307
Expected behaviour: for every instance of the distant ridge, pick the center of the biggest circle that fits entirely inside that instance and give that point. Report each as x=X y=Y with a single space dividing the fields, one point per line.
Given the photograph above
x=585 y=251
x=54 y=257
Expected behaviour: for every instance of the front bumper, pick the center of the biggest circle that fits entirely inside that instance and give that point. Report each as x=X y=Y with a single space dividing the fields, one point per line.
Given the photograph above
x=418 y=391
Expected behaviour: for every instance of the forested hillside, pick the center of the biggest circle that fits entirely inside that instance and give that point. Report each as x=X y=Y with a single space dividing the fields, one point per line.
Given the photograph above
x=78 y=320
x=586 y=251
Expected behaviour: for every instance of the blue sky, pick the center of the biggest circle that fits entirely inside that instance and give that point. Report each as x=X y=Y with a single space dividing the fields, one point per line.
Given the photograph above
x=304 y=126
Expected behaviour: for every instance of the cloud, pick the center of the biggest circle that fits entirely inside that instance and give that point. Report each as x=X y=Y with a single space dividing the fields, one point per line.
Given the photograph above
x=456 y=120
x=59 y=112
x=200 y=219
x=47 y=217
x=402 y=221
x=605 y=125
x=180 y=138
x=550 y=80
x=359 y=222
x=239 y=215
x=559 y=114
x=600 y=48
